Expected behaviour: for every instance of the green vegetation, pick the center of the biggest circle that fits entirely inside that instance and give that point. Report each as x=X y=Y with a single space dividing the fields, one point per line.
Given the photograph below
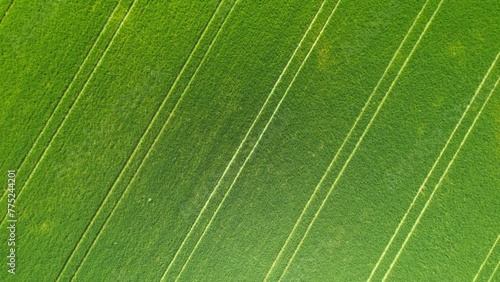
x=241 y=140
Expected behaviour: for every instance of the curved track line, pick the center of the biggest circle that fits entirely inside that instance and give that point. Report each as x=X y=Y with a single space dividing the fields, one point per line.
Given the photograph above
x=334 y=160
x=439 y=183
x=258 y=140
x=412 y=204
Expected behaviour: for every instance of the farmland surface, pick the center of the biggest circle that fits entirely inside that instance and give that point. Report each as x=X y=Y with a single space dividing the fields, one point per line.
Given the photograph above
x=238 y=140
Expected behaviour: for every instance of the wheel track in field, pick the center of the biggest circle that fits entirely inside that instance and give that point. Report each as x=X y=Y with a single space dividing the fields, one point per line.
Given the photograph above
x=346 y=139
x=61 y=101
x=349 y=158
x=149 y=150
x=486 y=260
x=240 y=147
x=245 y=138
x=436 y=162
x=494 y=271
x=265 y=128
x=427 y=203
x=6 y=11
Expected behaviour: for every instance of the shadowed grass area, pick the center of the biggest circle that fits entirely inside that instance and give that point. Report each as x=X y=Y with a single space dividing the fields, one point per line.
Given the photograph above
x=245 y=140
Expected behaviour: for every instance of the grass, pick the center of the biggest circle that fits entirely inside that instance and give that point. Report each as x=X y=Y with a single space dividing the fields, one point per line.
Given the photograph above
x=244 y=141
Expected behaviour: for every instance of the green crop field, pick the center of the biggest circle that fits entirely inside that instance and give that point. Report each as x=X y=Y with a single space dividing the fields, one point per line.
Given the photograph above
x=239 y=140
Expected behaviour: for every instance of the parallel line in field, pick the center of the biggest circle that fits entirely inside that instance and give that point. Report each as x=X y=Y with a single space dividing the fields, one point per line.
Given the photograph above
x=156 y=138
x=140 y=142
x=6 y=11
x=359 y=141
x=429 y=174
x=494 y=271
x=486 y=259
x=393 y=263
x=66 y=91
x=62 y=97
x=260 y=137
x=341 y=148
x=245 y=138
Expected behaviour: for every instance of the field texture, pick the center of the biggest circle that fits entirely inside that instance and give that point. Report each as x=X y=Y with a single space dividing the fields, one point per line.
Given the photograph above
x=238 y=140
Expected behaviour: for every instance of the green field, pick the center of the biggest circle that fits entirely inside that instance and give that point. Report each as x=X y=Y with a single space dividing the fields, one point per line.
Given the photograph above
x=238 y=140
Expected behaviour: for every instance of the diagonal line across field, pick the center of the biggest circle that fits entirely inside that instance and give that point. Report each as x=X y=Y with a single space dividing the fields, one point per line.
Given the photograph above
x=393 y=263
x=6 y=11
x=63 y=99
x=251 y=140
x=146 y=156
x=141 y=141
x=346 y=139
x=494 y=271
x=241 y=143
x=419 y=192
x=486 y=259
x=213 y=192
x=359 y=141
x=260 y=136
